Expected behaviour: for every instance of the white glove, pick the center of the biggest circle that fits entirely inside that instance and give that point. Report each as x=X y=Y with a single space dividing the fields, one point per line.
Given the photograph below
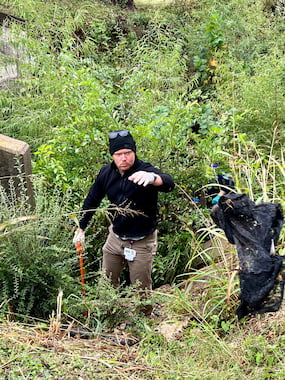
x=143 y=178
x=79 y=237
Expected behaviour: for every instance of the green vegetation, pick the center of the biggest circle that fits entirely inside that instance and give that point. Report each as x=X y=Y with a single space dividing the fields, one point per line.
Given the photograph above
x=198 y=83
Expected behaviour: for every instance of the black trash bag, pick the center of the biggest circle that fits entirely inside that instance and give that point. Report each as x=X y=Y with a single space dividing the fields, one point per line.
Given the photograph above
x=254 y=229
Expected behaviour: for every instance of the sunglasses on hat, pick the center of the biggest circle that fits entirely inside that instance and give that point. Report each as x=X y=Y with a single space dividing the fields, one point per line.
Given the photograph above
x=123 y=133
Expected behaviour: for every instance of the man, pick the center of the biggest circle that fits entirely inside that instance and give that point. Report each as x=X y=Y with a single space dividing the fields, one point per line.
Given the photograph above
x=227 y=185
x=132 y=185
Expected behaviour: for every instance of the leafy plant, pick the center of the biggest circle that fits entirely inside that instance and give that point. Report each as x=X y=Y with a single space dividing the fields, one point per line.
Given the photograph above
x=107 y=307
x=36 y=258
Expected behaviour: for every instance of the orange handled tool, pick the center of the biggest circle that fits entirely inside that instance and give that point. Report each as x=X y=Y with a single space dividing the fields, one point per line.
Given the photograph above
x=79 y=250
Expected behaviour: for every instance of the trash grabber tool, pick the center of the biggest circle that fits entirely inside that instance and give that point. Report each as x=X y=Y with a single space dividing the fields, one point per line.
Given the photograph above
x=79 y=250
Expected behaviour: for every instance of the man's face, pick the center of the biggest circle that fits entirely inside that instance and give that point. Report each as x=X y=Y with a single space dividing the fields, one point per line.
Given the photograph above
x=124 y=159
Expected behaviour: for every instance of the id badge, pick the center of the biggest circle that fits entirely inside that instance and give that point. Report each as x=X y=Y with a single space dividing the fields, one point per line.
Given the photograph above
x=129 y=254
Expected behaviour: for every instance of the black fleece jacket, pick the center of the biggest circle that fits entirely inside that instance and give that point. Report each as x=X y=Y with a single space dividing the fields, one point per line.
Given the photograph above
x=124 y=193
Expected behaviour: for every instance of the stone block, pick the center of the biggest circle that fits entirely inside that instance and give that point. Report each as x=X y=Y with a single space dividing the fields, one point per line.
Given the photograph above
x=15 y=165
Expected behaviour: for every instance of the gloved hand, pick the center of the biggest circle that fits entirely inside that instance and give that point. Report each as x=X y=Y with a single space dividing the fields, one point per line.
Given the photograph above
x=143 y=178
x=79 y=237
x=216 y=199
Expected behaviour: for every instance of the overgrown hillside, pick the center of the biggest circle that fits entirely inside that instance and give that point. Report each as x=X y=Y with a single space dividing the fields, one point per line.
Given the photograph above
x=200 y=85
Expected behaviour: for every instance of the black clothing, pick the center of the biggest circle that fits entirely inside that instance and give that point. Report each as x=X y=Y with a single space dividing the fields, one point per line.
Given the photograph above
x=224 y=181
x=125 y=194
x=254 y=229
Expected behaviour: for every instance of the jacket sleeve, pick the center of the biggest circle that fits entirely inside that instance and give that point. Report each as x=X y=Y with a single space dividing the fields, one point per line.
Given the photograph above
x=168 y=183
x=92 y=201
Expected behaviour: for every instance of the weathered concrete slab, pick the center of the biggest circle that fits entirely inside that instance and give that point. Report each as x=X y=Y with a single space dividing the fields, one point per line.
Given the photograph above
x=15 y=164
x=9 y=49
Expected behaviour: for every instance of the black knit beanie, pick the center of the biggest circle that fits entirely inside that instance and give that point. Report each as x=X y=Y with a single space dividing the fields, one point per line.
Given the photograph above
x=121 y=140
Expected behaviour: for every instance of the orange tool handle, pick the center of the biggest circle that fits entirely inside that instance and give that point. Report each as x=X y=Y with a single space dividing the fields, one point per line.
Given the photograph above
x=79 y=250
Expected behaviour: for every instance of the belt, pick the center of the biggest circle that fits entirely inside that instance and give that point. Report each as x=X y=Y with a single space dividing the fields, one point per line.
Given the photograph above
x=130 y=238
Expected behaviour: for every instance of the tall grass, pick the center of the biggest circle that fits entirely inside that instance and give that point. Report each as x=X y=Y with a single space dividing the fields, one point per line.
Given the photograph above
x=216 y=286
x=36 y=253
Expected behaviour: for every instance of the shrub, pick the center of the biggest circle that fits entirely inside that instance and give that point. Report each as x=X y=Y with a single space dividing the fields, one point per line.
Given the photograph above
x=36 y=254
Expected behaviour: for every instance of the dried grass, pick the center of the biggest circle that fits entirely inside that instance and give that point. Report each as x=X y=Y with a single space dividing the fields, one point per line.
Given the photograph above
x=117 y=352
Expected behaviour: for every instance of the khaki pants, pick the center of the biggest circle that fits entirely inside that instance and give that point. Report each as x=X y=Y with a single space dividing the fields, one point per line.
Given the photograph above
x=140 y=269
